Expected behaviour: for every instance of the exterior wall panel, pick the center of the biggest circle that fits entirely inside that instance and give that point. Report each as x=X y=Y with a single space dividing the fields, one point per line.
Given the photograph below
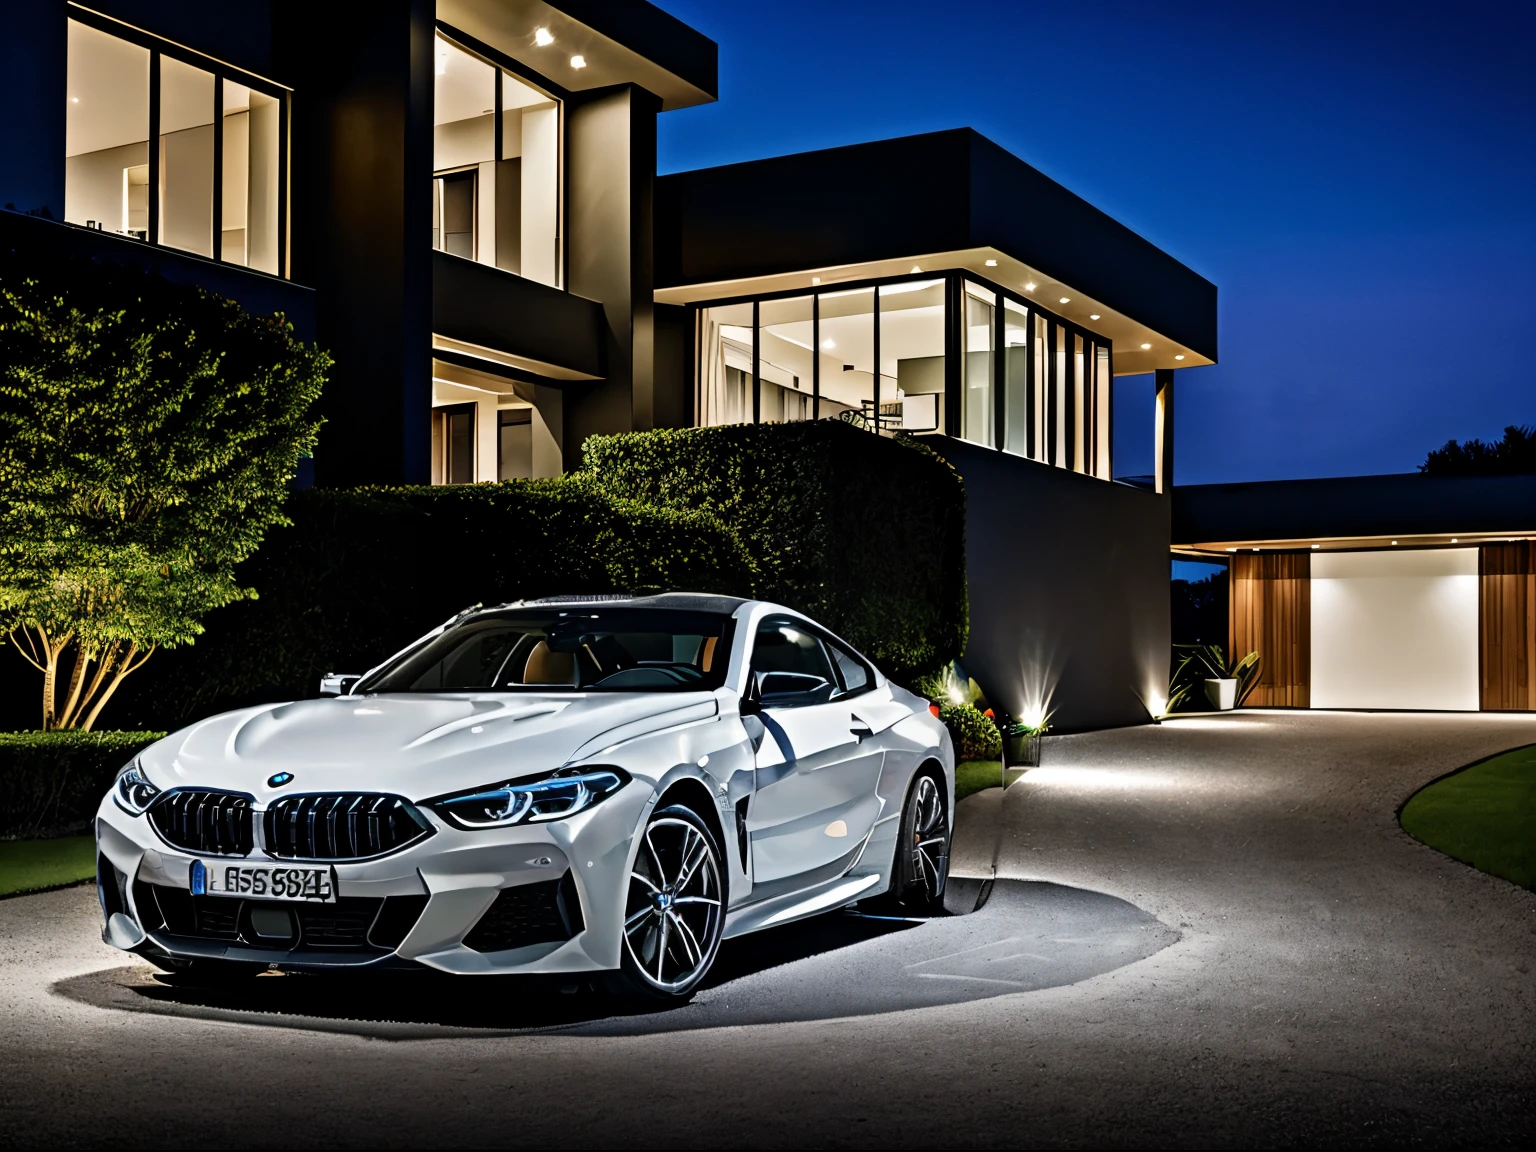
x=1270 y=612
x=1507 y=625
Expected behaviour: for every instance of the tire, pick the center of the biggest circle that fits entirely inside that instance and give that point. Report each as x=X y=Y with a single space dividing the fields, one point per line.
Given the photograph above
x=674 y=911
x=920 y=870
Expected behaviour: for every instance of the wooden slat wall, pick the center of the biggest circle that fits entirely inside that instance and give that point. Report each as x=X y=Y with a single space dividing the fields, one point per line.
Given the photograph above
x=1270 y=612
x=1507 y=613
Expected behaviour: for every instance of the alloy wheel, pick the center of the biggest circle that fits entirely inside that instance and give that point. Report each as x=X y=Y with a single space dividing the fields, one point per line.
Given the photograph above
x=672 y=918
x=929 y=863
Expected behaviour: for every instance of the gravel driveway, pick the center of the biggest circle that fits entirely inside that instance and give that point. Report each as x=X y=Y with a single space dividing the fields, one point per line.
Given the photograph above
x=1308 y=974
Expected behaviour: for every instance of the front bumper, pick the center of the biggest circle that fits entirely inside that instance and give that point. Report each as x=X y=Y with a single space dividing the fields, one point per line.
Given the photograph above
x=539 y=898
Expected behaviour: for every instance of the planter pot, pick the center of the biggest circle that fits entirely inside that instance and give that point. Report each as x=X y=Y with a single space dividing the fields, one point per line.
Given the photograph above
x=1021 y=751
x=1222 y=694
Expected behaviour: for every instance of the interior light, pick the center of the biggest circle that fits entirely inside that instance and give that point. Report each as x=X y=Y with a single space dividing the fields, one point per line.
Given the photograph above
x=1095 y=316
x=74 y=99
x=1231 y=549
x=829 y=344
x=1064 y=300
x=1316 y=546
x=815 y=279
x=1180 y=356
x=542 y=37
x=1145 y=347
x=578 y=61
x=991 y=263
x=1394 y=542
x=1453 y=539
x=1030 y=287
x=915 y=268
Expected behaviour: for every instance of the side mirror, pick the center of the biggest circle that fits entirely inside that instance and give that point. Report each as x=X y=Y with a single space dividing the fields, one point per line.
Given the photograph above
x=752 y=700
x=793 y=688
x=338 y=683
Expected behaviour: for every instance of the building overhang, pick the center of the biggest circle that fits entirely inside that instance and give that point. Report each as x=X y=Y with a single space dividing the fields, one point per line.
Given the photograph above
x=631 y=43
x=1352 y=513
x=942 y=200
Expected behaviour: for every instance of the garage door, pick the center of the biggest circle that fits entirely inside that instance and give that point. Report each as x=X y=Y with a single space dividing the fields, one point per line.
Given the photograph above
x=1395 y=629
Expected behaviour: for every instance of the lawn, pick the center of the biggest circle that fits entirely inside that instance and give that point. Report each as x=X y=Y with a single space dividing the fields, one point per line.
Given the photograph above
x=1484 y=815
x=29 y=864
x=976 y=775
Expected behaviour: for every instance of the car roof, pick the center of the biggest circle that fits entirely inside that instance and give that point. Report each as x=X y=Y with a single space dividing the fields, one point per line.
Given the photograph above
x=686 y=601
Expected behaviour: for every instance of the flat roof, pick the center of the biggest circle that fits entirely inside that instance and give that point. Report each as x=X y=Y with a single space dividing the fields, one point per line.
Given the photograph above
x=621 y=42
x=950 y=199
x=1409 y=508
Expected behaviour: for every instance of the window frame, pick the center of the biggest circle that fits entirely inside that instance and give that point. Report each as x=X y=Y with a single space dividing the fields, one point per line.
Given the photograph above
x=158 y=48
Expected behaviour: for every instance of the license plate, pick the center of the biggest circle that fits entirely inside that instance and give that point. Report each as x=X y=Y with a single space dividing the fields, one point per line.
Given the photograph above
x=312 y=884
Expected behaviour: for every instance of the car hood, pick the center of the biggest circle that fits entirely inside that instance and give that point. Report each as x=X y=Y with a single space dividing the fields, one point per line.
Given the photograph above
x=414 y=745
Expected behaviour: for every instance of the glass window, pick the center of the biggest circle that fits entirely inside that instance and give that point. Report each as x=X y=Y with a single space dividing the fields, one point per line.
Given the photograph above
x=791 y=665
x=1060 y=413
x=186 y=157
x=514 y=443
x=528 y=183
x=725 y=365
x=786 y=359
x=848 y=356
x=912 y=355
x=1018 y=396
x=463 y=151
x=587 y=648
x=106 y=133
x=852 y=674
x=1102 y=387
x=250 y=192
x=1082 y=431
x=976 y=404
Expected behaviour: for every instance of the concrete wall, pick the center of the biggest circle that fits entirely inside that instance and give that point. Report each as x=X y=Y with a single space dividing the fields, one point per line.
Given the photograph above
x=1068 y=590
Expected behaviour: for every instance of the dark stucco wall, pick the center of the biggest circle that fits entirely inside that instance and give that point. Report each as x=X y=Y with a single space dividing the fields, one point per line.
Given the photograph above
x=1068 y=589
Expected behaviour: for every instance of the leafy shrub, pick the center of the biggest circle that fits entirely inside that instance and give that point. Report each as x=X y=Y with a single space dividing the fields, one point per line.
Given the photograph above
x=863 y=533
x=362 y=572
x=1196 y=663
x=973 y=733
x=51 y=782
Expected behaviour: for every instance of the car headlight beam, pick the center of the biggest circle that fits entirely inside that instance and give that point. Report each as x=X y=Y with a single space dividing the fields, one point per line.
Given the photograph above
x=525 y=801
x=133 y=791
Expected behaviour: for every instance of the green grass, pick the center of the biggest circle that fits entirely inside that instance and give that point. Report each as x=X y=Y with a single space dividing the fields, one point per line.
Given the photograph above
x=977 y=775
x=1484 y=815
x=29 y=864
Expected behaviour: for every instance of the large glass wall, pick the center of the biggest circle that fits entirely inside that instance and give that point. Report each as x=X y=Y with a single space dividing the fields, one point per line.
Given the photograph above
x=878 y=356
x=199 y=169
x=495 y=167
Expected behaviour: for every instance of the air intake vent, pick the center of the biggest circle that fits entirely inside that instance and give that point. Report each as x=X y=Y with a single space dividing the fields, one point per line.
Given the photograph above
x=539 y=913
x=216 y=823
x=341 y=826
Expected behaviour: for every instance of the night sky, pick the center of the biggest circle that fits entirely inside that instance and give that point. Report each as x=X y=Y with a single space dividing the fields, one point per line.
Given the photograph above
x=1356 y=179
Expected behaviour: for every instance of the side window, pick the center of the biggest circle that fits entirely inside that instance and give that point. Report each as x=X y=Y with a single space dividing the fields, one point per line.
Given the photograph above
x=791 y=665
x=852 y=673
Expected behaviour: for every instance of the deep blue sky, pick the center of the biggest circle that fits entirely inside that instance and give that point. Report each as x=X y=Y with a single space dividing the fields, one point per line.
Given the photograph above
x=1356 y=179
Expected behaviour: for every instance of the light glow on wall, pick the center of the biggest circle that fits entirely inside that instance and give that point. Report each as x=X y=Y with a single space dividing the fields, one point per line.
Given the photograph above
x=1395 y=629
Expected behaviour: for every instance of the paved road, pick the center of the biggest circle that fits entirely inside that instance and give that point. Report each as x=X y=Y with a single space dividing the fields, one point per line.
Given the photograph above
x=1225 y=936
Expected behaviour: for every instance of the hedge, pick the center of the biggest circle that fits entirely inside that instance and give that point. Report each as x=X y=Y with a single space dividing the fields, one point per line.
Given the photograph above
x=863 y=533
x=51 y=782
x=362 y=572
x=974 y=734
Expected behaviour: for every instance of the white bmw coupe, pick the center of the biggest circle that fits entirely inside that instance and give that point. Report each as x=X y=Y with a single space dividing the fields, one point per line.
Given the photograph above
x=598 y=784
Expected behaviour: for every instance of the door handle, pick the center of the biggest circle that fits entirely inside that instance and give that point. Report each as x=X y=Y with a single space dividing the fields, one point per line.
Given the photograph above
x=860 y=729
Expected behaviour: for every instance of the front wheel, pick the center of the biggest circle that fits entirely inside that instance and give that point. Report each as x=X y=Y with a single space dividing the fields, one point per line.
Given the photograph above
x=674 y=914
x=921 y=866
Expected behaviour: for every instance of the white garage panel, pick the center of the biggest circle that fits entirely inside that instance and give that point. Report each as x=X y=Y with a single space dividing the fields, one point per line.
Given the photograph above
x=1395 y=629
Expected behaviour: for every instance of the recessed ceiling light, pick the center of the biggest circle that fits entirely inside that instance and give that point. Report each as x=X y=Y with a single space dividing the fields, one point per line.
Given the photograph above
x=1257 y=549
x=915 y=268
x=829 y=344
x=1179 y=357
x=578 y=61
x=1144 y=347
x=1095 y=316
x=1030 y=287
x=815 y=279
x=74 y=99
x=991 y=263
x=1231 y=549
x=1394 y=541
x=1316 y=546
x=542 y=37
x=1065 y=300
x=1453 y=539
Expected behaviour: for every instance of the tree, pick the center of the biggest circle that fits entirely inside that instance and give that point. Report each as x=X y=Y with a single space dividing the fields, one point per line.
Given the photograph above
x=1514 y=454
x=148 y=435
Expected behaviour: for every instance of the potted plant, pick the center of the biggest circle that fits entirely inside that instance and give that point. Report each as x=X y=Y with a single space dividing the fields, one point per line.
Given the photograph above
x=1202 y=669
x=1021 y=741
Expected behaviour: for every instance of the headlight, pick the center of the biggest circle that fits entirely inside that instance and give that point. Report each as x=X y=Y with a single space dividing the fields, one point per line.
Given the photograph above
x=134 y=791
x=553 y=797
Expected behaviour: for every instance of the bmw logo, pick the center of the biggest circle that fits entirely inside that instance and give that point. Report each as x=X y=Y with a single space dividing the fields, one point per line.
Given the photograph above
x=279 y=780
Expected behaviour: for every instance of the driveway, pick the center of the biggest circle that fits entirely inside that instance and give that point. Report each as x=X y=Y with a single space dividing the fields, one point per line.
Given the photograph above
x=1210 y=931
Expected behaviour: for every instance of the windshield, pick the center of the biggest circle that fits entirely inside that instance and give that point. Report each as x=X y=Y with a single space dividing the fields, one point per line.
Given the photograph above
x=579 y=649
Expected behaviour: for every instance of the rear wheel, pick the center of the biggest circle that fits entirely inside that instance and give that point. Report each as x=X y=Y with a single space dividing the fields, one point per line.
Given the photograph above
x=921 y=867
x=674 y=914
